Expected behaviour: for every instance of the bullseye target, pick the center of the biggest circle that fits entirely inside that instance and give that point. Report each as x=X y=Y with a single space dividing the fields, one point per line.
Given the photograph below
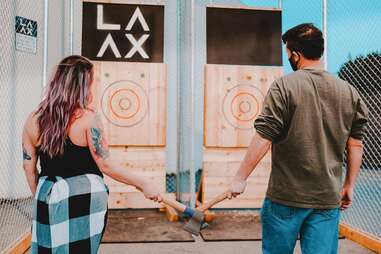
x=241 y=105
x=125 y=103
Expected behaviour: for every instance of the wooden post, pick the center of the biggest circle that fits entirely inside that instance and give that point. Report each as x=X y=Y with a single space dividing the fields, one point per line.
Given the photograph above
x=362 y=238
x=21 y=245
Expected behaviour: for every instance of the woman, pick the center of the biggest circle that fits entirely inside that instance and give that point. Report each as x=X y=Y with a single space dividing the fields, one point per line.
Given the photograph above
x=70 y=205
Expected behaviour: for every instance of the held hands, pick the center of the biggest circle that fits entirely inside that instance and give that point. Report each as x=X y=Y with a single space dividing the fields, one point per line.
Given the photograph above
x=346 y=197
x=237 y=187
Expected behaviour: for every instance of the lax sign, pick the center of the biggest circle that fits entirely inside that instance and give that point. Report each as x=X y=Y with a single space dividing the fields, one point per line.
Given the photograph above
x=123 y=32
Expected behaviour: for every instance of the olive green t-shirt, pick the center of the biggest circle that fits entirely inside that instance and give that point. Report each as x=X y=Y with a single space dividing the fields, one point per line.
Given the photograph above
x=309 y=116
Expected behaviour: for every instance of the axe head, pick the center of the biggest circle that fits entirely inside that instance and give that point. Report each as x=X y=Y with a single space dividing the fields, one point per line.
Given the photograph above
x=194 y=224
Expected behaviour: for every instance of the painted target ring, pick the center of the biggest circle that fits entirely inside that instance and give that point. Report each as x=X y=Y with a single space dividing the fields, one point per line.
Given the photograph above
x=241 y=105
x=124 y=103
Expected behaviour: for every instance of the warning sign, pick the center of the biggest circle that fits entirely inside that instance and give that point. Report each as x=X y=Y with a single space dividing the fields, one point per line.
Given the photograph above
x=26 y=35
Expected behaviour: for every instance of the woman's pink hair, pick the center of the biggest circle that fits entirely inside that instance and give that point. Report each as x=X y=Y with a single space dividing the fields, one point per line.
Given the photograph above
x=68 y=91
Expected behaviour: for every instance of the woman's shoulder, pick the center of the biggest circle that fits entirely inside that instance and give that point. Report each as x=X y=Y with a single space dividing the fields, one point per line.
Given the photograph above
x=89 y=117
x=80 y=124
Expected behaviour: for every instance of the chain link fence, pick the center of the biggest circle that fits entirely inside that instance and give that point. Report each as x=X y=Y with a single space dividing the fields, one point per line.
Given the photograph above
x=35 y=36
x=354 y=54
x=21 y=50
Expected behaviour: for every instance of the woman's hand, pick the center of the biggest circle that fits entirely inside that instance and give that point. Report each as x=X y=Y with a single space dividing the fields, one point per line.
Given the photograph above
x=151 y=192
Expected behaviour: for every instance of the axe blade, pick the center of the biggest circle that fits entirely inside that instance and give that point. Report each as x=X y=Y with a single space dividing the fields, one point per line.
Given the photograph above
x=194 y=224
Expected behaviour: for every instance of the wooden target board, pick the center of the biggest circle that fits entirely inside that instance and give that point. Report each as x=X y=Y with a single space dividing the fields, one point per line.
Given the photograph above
x=233 y=99
x=131 y=98
x=234 y=96
x=131 y=101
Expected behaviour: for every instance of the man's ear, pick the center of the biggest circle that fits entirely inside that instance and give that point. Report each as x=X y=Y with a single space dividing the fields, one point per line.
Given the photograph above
x=295 y=55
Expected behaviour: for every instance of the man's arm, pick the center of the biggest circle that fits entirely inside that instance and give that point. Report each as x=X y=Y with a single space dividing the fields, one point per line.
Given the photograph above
x=354 y=150
x=269 y=125
x=257 y=149
x=354 y=157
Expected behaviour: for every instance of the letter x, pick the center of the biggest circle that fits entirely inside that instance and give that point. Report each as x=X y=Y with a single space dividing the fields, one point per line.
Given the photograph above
x=137 y=46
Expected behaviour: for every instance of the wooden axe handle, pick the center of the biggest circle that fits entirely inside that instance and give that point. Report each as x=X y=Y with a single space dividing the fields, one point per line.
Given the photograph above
x=175 y=204
x=214 y=201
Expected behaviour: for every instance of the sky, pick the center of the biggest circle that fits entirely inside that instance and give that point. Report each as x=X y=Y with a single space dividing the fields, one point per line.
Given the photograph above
x=354 y=26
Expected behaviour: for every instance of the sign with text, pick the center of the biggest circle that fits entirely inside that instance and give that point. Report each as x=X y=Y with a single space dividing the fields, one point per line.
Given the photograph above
x=26 y=35
x=123 y=32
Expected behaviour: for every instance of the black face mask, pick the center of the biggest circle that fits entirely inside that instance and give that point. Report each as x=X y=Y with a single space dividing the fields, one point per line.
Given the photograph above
x=294 y=65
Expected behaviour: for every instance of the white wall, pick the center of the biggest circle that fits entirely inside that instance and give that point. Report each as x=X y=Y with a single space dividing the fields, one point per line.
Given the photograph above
x=21 y=84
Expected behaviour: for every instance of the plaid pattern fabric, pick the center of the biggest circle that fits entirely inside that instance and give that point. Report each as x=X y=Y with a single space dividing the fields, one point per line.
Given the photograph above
x=69 y=214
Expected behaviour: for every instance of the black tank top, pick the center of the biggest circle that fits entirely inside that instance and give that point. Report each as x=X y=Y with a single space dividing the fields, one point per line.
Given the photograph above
x=76 y=160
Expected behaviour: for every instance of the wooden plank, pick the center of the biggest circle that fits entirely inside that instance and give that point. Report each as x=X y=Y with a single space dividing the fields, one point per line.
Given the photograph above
x=259 y=194
x=21 y=245
x=214 y=169
x=115 y=186
x=251 y=198
x=228 y=154
x=152 y=167
x=132 y=99
x=133 y=200
x=143 y=2
x=240 y=204
x=233 y=99
x=144 y=171
x=360 y=237
x=144 y=167
x=244 y=7
x=220 y=184
x=126 y=153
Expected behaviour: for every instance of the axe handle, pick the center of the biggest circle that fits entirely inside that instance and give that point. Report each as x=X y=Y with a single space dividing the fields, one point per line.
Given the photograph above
x=175 y=204
x=214 y=201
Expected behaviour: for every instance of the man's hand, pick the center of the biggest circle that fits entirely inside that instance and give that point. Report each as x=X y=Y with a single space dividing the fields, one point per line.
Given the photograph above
x=355 y=149
x=257 y=149
x=237 y=187
x=346 y=197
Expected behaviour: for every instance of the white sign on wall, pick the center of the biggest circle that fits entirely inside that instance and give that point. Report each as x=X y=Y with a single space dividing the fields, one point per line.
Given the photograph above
x=26 y=35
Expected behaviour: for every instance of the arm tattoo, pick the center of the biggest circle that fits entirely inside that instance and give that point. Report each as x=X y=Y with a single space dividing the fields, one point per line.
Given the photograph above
x=25 y=154
x=96 y=136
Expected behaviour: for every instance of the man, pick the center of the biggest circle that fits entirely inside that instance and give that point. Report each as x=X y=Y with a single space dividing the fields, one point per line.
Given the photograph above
x=309 y=117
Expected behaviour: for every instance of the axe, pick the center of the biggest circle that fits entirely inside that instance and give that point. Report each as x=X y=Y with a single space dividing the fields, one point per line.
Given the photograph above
x=197 y=215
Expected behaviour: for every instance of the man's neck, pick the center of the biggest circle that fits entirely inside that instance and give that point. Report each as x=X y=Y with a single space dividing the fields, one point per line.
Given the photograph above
x=313 y=64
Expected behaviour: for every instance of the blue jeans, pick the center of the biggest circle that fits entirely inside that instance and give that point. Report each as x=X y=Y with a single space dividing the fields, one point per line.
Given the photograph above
x=281 y=226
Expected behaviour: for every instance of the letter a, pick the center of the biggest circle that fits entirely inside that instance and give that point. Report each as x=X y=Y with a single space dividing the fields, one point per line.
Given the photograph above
x=137 y=15
x=109 y=42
